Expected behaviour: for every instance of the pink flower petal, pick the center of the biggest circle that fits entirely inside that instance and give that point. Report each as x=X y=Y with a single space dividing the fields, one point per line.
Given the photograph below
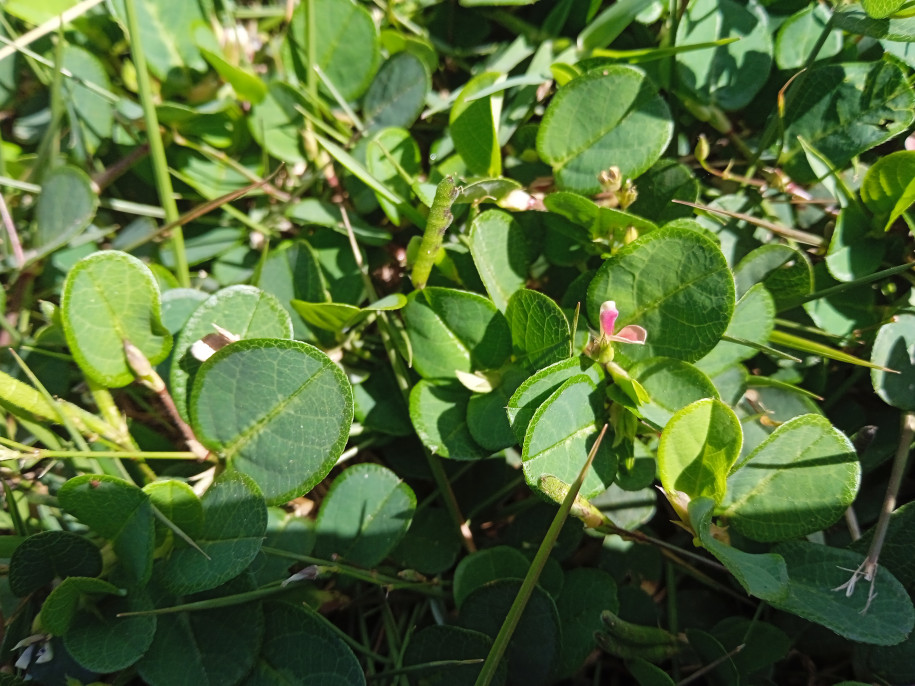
x=608 y=315
x=631 y=334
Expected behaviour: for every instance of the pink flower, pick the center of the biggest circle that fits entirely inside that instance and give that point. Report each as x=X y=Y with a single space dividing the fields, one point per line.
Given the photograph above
x=628 y=334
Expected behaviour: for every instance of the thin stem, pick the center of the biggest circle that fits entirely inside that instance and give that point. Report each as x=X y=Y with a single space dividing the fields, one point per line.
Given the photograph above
x=156 y=147
x=12 y=234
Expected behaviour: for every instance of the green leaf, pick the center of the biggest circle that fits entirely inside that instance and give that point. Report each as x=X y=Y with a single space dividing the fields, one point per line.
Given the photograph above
x=728 y=76
x=485 y=566
x=366 y=512
x=784 y=270
x=393 y=157
x=486 y=417
x=276 y=123
x=586 y=593
x=798 y=35
x=801 y=479
x=346 y=44
x=501 y=254
x=61 y=605
x=431 y=545
x=176 y=501
x=453 y=330
x=540 y=331
x=231 y=534
x=246 y=85
x=753 y=320
x=563 y=431
x=397 y=93
x=662 y=282
x=762 y=575
x=879 y=9
x=666 y=181
x=299 y=648
x=339 y=316
x=42 y=557
x=854 y=20
x=607 y=117
x=196 y=647
x=244 y=311
x=609 y=24
x=278 y=411
x=698 y=448
x=119 y=511
x=291 y=272
x=672 y=385
x=94 y=114
x=815 y=573
x=894 y=348
x=486 y=607
x=440 y=642
x=534 y=392
x=844 y=110
x=439 y=415
x=888 y=188
x=110 y=297
x=603 y=223
x=853 y=252
x=474 y=125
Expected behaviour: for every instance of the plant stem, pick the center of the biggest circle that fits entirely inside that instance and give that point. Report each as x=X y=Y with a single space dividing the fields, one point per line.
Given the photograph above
x=500 y=644
x=156 y=147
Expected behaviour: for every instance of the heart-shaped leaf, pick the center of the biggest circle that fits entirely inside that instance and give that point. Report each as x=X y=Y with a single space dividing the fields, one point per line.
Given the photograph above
x=110 y=297
x=278 y=411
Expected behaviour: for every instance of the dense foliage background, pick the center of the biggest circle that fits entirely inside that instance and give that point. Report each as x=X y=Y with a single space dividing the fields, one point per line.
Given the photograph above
x=352 y=342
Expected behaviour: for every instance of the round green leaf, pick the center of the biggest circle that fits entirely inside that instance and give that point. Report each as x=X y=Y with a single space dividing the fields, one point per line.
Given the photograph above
x=346 y=44
x=110 y=297
x=276 y=123
x=431 y=545
x=119 y=511
x=501 y=254
x=607 y=117
x=667 y=180
x=540 y=331
x=176 y=501
x=801 y=479
x=672 y=385
x=41 y=558
x=485 y=609
x=563 y=431
x=533 y=392
x=698 y=447
x=244 y=311
x=217 y=645
x=487 y=565
x=727 y=76
x=231 y=534
x=102 y=641
x=879 y=9
x=894 y=348
x=673 y=282
x=853 y=251
x=64 y=208
x=798 y=35
x=397 y=93
x=62 y=603
x=299 y=648
x=94 y=113
x=455 y=330
x=785 y=271
x=486 y=417
x=439 y=415
x=444 y=642
x=815 y=573
x=278 y=411
x=365 y=513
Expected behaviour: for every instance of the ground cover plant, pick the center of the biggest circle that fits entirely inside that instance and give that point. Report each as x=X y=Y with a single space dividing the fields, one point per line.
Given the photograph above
x=439 y=342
